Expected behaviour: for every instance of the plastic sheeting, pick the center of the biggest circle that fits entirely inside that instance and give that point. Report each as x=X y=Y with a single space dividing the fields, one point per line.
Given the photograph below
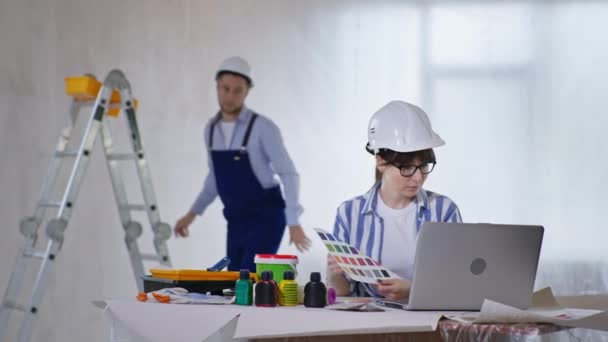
x=573 y=277
x=456 y=332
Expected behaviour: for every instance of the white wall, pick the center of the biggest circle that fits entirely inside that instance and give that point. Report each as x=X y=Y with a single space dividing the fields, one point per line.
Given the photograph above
x=534 y=142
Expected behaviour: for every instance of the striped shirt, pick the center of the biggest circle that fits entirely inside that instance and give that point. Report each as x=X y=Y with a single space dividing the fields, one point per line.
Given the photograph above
x=358 y=223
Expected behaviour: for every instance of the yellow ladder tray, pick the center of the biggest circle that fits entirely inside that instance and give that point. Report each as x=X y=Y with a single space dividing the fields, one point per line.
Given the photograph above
x=85 y=88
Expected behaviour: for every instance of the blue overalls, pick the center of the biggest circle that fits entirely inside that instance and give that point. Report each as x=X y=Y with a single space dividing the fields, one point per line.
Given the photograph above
x=256 y=216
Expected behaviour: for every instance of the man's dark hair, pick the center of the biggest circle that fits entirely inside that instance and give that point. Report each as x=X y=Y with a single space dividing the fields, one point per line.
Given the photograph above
x=225 y=72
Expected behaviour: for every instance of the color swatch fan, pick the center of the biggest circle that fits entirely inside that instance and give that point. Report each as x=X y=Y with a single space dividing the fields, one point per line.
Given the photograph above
x=357 y=266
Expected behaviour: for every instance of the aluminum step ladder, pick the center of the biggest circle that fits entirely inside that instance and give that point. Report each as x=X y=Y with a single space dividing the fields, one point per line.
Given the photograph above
x=108 y=99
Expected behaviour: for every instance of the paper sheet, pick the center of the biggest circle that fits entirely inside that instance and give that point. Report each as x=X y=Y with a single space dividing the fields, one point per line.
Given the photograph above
x=172 y=322
x=357 y=266
x=152 y=322
x=299 y=321
x=354 y=306
x=169 y=322
x=544 y=309
x=178 y=295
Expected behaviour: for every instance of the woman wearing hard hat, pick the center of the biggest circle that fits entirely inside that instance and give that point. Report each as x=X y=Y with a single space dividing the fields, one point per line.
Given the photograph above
x=246 y=153
x=384 y=222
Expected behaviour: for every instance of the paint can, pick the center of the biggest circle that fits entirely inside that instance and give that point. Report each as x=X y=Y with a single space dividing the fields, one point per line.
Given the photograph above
x=277 y=263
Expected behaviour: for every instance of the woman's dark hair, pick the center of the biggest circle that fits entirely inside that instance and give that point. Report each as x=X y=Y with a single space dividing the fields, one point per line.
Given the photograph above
x=404 y=158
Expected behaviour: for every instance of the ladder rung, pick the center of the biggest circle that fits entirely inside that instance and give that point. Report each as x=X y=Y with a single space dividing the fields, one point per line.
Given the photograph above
x=50 y=204
x=66 y=154
x=34 y=254
x=133 y=207
x=149 y=257
x=14 y=306
x=121 y=156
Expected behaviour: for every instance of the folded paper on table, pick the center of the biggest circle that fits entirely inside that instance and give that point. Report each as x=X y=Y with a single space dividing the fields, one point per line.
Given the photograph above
x=544 y=309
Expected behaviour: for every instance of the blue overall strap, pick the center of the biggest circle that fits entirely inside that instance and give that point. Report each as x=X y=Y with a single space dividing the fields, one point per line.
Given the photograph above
x=248 y=132
x=215 y=121
x=245 y=138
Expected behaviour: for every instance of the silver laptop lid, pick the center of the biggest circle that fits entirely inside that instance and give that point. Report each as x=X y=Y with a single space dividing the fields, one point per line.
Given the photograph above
x=458 y=265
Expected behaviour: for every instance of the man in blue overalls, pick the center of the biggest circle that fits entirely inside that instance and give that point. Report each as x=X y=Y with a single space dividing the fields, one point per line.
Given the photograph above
x=246 y=152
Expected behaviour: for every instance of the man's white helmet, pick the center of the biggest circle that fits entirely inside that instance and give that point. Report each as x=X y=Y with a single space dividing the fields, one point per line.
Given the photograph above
x=401 y=127
x=236 y=65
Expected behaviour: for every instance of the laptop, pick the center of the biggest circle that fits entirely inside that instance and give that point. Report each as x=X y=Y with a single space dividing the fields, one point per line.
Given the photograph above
x=458 y=265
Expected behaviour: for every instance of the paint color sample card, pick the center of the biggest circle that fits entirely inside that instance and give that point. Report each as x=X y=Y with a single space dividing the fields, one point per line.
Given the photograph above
x=357 y=266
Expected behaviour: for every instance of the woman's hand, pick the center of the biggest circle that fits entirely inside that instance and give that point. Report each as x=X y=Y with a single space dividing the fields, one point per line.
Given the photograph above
x=332 y=266
x=394 y=289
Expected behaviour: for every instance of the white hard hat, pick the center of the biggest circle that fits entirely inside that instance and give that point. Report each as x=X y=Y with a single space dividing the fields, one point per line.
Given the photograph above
x=236 y=65
x=401 y=127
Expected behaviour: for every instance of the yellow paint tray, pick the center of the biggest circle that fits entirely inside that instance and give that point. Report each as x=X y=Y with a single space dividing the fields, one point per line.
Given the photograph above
x=178 y=274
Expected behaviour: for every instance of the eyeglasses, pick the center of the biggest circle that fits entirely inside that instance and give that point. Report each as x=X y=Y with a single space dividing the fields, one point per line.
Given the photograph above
x=409 y=170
